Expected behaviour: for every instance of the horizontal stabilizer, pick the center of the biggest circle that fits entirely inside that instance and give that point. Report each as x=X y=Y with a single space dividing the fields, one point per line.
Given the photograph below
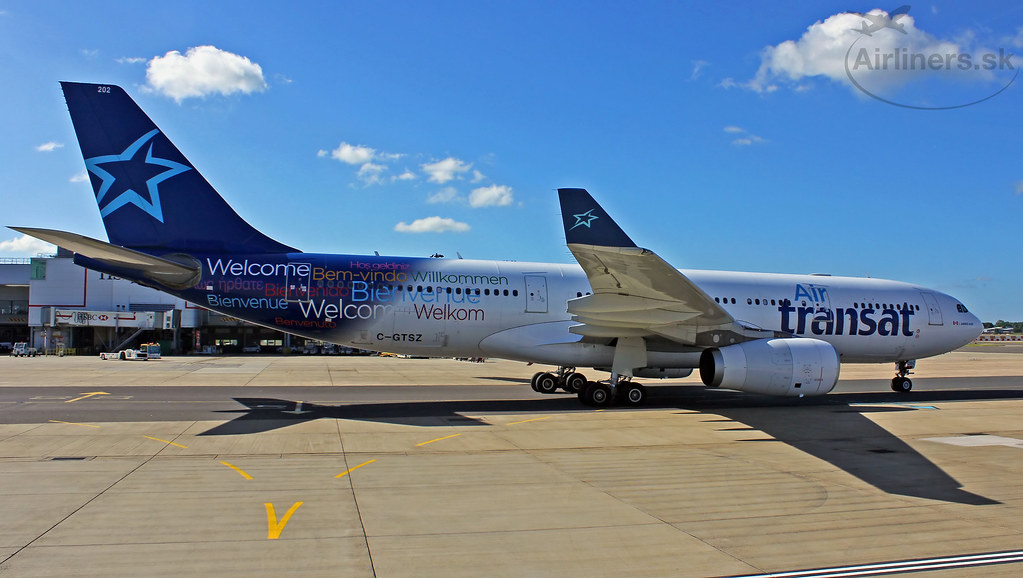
x=164 y=270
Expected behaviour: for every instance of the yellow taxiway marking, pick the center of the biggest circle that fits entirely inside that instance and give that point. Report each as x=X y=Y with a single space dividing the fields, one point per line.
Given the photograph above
x=85 y=395
x=73 y=423
x=165 y=441
x=273 y=527
x=438 y=439
x=350 y=470
x=529 y=420
x=236 y=468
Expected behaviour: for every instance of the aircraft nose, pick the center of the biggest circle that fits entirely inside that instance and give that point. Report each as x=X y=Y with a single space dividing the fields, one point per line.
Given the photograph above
x=975 y=329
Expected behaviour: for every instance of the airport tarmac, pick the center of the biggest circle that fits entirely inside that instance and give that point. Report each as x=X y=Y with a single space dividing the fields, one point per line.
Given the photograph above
x=350 y=466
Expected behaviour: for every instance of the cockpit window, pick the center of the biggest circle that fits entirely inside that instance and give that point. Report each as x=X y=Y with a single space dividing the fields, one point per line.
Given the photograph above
x=961 y=308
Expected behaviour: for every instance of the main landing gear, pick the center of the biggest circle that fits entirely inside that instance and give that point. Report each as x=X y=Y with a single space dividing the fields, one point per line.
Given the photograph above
x=901 y=383
x=565 y=379
x=619 y=389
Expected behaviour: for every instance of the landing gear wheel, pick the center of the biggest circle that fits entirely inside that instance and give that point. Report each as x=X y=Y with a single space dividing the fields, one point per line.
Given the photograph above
x=546 y=383
x=574 y=382
x=632 y=394
x=902 y=384
x=532 y=382
x=597 y=394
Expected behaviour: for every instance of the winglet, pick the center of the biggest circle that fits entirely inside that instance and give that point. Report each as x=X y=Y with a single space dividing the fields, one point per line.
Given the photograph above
x=587 y=223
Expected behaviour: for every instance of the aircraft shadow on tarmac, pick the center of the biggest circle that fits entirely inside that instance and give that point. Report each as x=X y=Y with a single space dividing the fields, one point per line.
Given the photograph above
x=834 y=428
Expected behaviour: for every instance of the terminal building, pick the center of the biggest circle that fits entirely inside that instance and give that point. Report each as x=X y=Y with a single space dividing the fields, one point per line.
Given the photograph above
x=60 y=307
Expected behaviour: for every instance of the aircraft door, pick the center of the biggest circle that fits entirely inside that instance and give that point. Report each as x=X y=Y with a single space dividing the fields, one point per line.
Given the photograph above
x=536 y=294
x=297 y=286
x=933 y=311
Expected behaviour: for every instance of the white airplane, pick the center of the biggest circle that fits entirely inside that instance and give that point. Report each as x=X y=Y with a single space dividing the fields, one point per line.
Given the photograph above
x=622 y=309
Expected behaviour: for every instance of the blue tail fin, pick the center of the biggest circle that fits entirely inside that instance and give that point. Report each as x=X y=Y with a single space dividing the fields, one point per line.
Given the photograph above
x=151 y=198
x=587 y=223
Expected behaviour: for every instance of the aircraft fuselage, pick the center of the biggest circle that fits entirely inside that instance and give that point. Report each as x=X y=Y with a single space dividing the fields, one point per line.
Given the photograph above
x=518 y=310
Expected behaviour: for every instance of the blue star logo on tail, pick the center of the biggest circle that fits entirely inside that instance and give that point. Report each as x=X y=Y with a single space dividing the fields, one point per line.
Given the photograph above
x=132 y=168
x=584 y=219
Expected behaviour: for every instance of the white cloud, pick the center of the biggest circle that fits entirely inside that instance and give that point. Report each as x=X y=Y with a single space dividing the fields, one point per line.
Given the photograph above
x=445 y=170
x=351 y=154
x=445 y=195
x=821 y=52
x=51 y=146
x=81 y=177
x=202 y=71
x=698 y=66
x=89 y=52
x=747 y=140
x=131 y=60
x=432 y=225
x=743 y=136
x=369 y=173
x=477 y=176
x=388 y=157
x=492 y=196
x=26 y=246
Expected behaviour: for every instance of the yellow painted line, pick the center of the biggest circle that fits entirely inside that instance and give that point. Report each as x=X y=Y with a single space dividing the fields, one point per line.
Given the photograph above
x=237 y=469
x=73 y=423
x=529 y=420
x=165 y=441
x=273 y=527
x=90 y=394
x=350 y=470
x=438 y=439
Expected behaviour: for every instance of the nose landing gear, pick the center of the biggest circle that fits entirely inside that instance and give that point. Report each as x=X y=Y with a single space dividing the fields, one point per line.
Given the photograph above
x=901 y=383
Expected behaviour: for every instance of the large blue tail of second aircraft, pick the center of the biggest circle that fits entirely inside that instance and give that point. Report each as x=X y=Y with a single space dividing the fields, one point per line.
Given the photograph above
x=150 y=197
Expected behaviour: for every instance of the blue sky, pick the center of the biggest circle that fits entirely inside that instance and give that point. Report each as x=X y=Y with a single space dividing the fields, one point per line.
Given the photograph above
x=721 y=136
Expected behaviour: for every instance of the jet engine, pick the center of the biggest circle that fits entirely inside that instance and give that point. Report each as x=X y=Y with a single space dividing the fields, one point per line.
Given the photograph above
x=790 y=366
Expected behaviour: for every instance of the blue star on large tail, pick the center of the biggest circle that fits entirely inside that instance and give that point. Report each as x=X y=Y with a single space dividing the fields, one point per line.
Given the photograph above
x=140 y=168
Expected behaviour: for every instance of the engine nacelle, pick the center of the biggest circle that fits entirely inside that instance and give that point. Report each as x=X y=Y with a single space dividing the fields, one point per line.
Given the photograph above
x=791 y=367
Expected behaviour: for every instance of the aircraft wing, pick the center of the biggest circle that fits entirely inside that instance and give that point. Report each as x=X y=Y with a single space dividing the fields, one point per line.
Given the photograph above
x=636 y=292
x=177 y=274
